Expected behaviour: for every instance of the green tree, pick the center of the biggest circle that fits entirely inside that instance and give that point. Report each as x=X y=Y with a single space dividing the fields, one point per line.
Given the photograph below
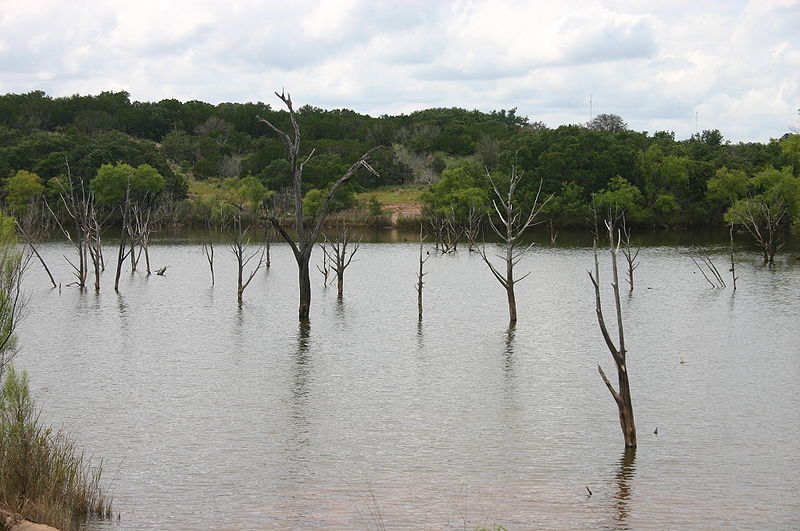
x=727 y=186
x=790 y=150
x=773 y=201
x=23 y=187
x=621 y=196
x=458 y=190
x=111 y=183
x=665 y=178
x=253 y=191
x=608 y=122
x=570 y=203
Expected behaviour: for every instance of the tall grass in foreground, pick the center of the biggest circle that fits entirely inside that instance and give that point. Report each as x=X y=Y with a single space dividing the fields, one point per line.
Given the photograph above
x=44 y=477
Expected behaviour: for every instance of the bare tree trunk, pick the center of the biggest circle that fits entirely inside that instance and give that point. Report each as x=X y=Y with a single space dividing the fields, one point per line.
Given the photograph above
x=132 y=253
x=121 y=256
x=325 y=269
x=208 y=251
x=618 y=353
x=512 y=298
x=705 y=259
x=733 y=263
x=305 y=290
x=147 y=258
x=29 y=241
x=121 y=253
x=421 y=273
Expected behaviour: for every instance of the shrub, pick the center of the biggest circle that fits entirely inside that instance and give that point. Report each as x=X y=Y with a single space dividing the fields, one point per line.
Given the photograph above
x=43 y=475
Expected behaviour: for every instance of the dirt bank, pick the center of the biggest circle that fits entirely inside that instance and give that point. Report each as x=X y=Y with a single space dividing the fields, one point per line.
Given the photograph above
x=14 y=522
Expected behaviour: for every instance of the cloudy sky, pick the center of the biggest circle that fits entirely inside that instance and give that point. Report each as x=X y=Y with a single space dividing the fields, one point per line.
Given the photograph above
x=675 y=65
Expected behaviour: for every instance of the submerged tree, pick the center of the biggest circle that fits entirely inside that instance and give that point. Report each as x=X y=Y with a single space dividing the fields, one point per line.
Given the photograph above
x=622 y=397
x=630 y=254
x=421 y=273
x=34 y=224
x=134 y=191
x=78 y=204
x=340 y=251
x=763 y=204
x=241 y=249
x=306 y=237
x=513 y=222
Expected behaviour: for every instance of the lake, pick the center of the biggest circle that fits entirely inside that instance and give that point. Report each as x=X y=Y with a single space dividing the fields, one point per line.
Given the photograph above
x=208 y=414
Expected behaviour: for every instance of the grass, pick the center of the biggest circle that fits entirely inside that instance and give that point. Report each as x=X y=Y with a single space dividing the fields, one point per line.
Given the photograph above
x=204 y=188
x=44 y=477
x=388 y=195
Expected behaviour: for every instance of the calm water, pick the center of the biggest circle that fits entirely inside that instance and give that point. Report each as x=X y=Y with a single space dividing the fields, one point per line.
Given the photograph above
x=209 y=415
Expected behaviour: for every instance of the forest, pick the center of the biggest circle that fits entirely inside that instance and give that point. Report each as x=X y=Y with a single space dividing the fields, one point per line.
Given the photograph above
x=209 y=157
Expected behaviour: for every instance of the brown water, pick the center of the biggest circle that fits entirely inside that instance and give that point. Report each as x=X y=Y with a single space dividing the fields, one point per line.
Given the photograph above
x=209 y=415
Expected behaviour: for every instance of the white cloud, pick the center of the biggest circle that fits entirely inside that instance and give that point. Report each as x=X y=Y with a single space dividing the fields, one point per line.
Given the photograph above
x=736 y=63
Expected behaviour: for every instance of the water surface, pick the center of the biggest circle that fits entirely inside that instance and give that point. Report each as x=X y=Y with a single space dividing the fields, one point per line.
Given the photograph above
x=208 y=414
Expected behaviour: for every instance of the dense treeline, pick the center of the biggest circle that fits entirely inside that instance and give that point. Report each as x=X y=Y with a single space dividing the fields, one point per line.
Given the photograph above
x=656 y=178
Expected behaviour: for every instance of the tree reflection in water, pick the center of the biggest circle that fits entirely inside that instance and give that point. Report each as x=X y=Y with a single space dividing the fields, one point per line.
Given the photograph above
x=623 y=478
x=299 y=392
x=509 y=350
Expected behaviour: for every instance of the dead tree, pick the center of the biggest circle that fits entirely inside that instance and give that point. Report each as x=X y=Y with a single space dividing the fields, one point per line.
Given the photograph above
x=78 y=204
x=94 y=243
x=733 y=263
x=306 y=237
x=208 y=251
x=325 y=268
x=32 y=227
x=511 y=226
x=267 y=245
x=629 y=253
x=123 y=251
x=208 y=247
x=707 y=269
x=763 y=219
x=141 y=223
x=472 y=227
x=421 y=273
x=554 y=234
x=622 y=397
x=240 y=247
x=446 y=229
x=340 y=256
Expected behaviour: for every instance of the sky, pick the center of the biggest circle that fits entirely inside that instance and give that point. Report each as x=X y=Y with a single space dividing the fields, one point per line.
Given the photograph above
x=677 y=65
